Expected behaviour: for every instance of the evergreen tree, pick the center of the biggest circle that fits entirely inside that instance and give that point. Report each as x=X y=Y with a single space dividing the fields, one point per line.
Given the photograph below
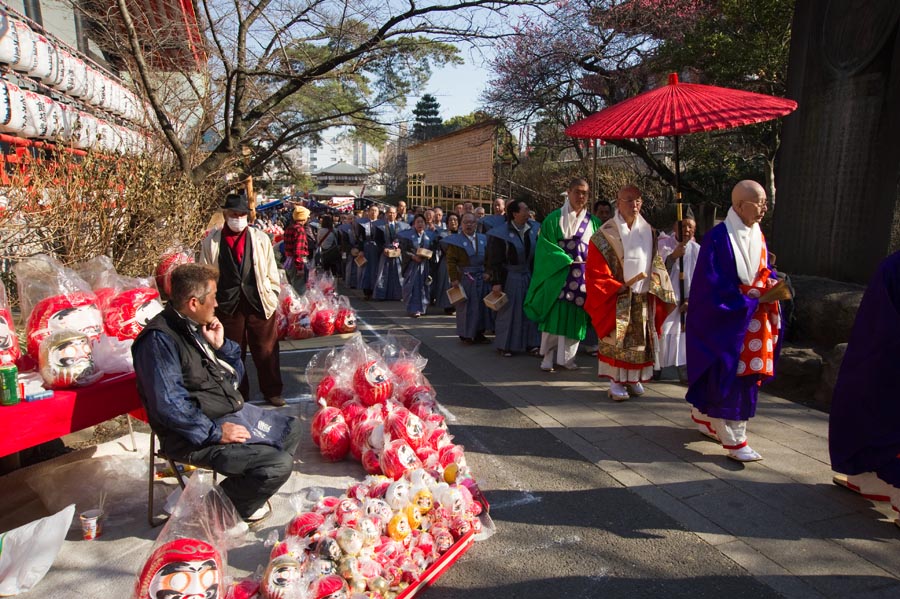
x=428 y=121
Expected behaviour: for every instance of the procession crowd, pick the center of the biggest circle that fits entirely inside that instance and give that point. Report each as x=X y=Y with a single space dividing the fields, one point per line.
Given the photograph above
x=586 y=276
x=594 y=277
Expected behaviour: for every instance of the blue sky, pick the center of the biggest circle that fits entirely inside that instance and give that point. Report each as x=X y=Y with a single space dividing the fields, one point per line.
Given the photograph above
x=459 y=87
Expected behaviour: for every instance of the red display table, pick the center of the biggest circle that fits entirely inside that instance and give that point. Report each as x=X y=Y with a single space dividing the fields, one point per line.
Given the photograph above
x=31 y=423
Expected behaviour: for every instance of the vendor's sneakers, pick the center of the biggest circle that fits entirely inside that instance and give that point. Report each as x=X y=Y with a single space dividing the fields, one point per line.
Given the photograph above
x=259 y=515
x=618 y=392
x=635 y=389
x=744 y=454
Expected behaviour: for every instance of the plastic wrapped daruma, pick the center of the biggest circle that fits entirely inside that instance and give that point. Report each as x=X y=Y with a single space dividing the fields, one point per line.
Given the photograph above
x=329 y=587
x=169 y=262
x=305 y=525
x=403 y=424
x=325 y=417
x=66 y=360
x=282 y=575
x=322 y=321
x=372 y=383
x=182 y=568
x=75 y=311
x=334 y=442
x=126 y=314
x=9 y=343
x=345 y=322
x=398 y=458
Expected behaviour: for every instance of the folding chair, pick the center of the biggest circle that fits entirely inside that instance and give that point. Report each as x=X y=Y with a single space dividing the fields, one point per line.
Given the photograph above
x=173 y=464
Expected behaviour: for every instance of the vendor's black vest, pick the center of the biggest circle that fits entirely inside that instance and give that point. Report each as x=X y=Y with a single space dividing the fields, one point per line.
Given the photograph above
x=236 y=281
x=206 y=382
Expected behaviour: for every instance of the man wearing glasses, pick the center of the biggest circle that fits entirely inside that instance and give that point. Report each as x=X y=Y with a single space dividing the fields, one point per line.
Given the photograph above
x=629 y=294
x=188 y=374
x=734 y=332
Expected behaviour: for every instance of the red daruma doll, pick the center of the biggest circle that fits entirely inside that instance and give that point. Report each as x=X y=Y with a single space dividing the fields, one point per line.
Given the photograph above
x=372 y=383
x=182 y=568
x=167 y=264
x=126 y=314
x=76 y=311
x=9 y=343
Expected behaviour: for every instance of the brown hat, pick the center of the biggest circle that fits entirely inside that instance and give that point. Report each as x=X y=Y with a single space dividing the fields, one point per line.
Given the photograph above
x=301 y=213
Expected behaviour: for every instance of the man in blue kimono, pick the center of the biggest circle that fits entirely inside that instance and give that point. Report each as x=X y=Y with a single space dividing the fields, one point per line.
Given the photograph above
x=465 y=264
x=387 y=236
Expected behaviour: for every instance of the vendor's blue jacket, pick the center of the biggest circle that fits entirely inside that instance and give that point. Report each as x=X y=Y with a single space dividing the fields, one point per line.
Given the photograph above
x=186 y=394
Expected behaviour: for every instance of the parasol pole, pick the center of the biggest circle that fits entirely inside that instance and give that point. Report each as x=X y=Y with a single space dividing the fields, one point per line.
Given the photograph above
x=680 y=235
x=594 y=177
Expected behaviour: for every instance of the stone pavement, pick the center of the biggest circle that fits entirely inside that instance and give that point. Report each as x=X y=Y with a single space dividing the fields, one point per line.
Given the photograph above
x=782 y=520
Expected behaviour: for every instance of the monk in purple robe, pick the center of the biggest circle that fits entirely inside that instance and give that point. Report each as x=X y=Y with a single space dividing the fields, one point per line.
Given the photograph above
x=734 y=328
x=864 y=427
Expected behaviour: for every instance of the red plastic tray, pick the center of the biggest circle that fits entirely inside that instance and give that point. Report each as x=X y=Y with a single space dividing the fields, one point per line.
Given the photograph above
x=437 y=569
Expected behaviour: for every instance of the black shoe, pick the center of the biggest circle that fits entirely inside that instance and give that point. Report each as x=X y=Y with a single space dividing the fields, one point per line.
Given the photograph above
x=481 y=339
x=277 y=401
x=449 y=311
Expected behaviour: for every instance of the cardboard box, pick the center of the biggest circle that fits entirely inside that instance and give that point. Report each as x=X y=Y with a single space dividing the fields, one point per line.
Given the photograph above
x=424 y=253
x=360 y=260
x=392 y=252
x=495 y=300
x=456 y=295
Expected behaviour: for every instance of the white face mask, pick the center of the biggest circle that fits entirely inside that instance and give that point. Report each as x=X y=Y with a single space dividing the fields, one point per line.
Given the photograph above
x=237 y=224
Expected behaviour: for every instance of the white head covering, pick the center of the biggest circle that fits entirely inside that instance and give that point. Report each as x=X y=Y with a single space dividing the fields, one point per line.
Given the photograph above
x=638 y=250
x=747 y=245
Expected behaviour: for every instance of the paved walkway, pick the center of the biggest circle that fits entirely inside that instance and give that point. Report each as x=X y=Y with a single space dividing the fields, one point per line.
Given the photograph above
x=781 y=519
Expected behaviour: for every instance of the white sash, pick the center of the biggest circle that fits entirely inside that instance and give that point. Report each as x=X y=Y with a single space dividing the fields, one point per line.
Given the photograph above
x=746 y=242
x=637 y=243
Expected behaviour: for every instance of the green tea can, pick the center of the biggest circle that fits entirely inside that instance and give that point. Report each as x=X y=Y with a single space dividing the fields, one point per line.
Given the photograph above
x=9 y=385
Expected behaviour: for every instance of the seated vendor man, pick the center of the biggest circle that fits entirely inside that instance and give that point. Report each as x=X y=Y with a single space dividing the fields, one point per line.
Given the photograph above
x=188 y=375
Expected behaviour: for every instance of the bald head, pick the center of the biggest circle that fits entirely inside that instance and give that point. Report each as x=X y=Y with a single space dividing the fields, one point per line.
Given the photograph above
x=748 y=200
x=747 y=191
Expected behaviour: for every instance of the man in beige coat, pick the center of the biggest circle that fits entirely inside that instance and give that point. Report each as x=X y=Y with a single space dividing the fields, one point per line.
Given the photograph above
x=247 y=294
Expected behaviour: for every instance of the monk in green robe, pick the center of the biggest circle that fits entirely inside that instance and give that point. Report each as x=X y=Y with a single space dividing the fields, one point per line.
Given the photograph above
x=556 y=296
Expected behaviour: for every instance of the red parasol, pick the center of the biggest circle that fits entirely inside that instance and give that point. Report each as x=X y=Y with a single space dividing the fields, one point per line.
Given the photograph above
x=678 y=109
